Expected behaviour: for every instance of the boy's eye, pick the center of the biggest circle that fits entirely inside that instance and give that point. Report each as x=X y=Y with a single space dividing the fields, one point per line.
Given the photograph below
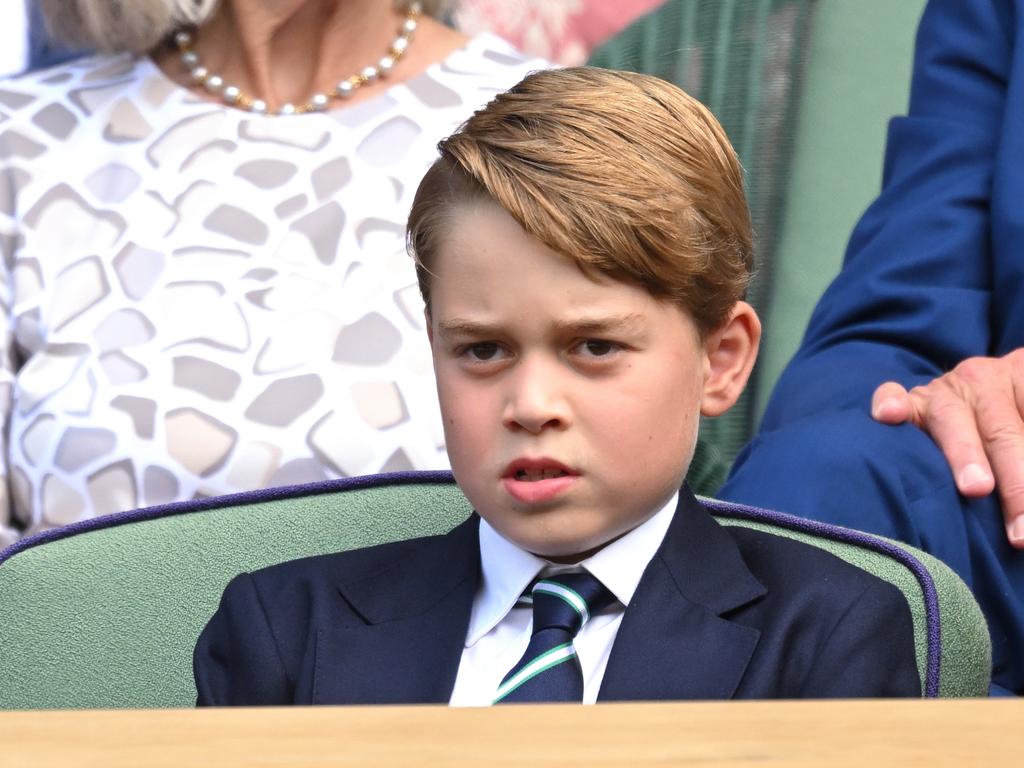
x=598 y=347
x=484 y=350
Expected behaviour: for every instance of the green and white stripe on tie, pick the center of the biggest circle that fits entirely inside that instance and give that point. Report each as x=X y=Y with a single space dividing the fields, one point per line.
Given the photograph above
x=571 y=596
x=557 y=655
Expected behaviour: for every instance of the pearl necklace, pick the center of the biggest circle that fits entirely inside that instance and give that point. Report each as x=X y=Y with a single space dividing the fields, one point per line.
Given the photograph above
x=235 y=96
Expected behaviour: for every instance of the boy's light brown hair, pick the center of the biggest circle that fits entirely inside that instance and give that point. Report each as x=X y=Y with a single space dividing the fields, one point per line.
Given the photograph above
x=624 y=174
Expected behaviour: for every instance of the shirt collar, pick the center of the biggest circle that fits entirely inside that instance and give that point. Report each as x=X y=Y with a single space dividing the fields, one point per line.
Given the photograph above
x=507 y=569
x=621 y=564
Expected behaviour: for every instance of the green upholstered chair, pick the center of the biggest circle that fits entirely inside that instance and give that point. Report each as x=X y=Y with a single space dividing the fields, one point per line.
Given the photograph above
x=805 y=89
x=105 y=613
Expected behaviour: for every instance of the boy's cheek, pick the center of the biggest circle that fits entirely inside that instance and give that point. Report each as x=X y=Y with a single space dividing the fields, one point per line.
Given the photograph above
x=462 y=415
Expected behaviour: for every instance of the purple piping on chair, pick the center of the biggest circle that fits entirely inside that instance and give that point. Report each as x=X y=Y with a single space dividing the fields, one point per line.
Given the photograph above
x=933 y=628
x=230 y=500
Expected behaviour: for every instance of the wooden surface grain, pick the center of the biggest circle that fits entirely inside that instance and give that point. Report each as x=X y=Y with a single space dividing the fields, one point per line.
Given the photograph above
x=763 y=734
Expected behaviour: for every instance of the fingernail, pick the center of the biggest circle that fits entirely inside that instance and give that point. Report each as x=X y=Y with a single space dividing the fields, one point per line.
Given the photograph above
x=973 y=475
x=1016 y=531
x=888 y=405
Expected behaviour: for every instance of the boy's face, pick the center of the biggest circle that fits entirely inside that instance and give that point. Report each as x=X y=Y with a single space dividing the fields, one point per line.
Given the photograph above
x=570 y=404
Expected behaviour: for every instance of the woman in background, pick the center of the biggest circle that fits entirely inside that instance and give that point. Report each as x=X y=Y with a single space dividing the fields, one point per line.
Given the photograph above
x=204 y=274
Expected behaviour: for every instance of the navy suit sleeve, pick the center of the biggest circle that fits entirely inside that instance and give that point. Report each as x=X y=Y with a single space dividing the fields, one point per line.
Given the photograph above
x=915 y=294
x=870 y=651
x=236 y=660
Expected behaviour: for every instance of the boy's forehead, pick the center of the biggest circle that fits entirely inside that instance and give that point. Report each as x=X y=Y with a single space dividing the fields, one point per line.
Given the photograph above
x=488 y=269
x=482 y=239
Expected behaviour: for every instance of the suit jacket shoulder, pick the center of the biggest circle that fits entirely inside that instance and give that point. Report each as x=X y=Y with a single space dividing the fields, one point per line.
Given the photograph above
x=834 y=628
x=727 y=612
x=276 y=628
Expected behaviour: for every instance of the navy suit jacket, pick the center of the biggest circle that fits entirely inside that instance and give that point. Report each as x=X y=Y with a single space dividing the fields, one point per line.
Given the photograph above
x=720 y=612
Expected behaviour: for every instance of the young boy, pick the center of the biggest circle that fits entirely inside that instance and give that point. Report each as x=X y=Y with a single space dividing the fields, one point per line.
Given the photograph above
x=583 y=246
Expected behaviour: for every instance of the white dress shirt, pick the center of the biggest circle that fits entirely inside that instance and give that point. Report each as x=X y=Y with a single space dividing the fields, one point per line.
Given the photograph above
x=499 y=630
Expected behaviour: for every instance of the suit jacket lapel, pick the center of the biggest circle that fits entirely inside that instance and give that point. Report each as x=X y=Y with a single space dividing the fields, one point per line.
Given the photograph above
x=416 y=616
x=673 y=642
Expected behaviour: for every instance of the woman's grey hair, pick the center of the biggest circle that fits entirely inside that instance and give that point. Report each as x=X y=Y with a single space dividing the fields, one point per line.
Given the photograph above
x=138 y=26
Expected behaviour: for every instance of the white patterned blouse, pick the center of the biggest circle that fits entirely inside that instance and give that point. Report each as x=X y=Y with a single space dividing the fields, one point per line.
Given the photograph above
x=199 y=300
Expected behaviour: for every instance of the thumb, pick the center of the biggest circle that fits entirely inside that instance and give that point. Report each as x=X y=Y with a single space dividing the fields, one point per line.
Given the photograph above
x=891 y=404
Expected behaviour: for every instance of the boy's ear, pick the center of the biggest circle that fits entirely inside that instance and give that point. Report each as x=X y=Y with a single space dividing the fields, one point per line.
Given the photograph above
x=430 y=328
x=731 y=351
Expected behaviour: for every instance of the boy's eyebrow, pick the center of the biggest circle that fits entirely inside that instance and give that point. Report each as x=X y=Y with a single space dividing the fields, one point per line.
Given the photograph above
x=458 y=326
x=631 y=322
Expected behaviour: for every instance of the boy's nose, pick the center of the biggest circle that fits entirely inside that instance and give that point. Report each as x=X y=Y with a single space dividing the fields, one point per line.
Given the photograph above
x=535 y=401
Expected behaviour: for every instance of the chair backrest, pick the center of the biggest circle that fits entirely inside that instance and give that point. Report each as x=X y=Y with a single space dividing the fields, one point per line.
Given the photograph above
x=105 y=613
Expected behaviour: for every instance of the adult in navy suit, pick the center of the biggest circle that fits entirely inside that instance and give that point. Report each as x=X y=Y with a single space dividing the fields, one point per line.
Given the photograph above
x=721 y=612
x=923 y=328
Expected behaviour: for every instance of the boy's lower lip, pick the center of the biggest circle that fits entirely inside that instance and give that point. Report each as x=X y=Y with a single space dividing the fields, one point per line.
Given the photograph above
x=535 y=491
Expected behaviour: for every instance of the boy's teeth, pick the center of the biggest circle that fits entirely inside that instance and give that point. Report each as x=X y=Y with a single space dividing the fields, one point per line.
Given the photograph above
x=533 y=475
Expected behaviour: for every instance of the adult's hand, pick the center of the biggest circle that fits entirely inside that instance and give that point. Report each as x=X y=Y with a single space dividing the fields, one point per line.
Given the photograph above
x=975 y=413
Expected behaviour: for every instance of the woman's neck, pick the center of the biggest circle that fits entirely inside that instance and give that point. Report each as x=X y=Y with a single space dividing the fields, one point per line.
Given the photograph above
x=283 y=51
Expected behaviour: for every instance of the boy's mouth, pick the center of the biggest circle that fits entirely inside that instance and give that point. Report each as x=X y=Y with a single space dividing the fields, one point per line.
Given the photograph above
x=536 y=470
x=537 y=481
x=533 y=475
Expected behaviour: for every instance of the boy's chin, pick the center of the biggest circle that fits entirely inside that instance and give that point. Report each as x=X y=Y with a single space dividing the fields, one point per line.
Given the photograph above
x=562 y=534
x=570 y=553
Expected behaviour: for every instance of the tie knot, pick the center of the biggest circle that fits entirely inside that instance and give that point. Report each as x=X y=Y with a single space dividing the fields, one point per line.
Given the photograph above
x=567 y=601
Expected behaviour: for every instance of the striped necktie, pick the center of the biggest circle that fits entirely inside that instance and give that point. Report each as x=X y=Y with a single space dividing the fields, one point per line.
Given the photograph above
x=549 y=670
